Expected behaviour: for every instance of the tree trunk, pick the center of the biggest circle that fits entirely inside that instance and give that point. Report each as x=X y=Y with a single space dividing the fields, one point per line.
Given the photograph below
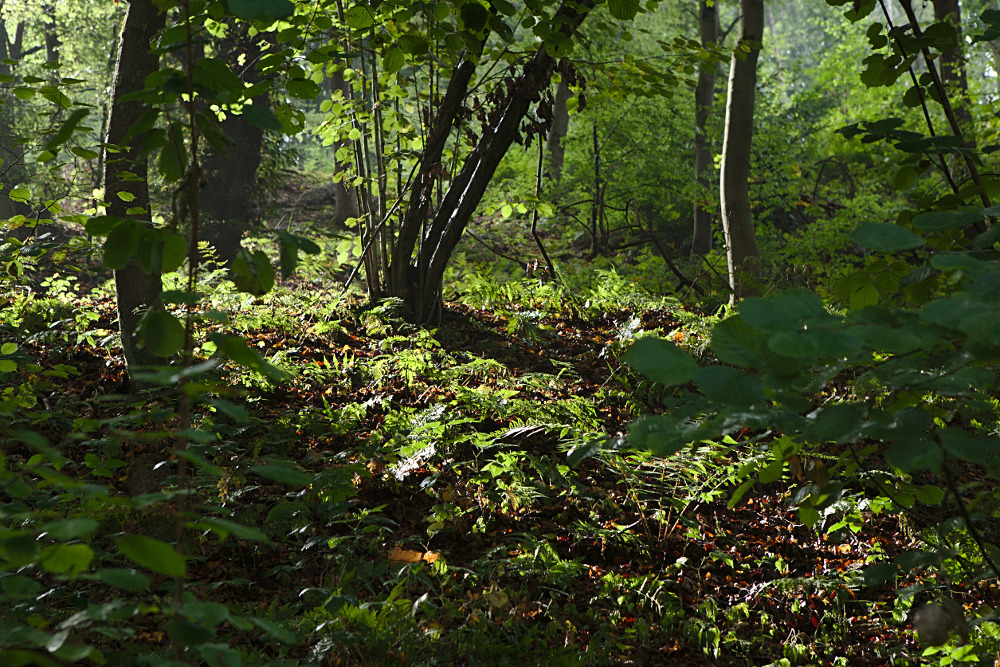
x=136 y=291
x=704 y=95
x=737 y=224
x=418 y=280
x=560 y=127
x=345 y=196
x=226 y=201
x=953 y=68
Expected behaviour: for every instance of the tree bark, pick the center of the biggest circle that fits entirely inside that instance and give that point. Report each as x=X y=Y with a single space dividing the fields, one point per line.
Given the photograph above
x=953 y=68
x=345 y=196
x=226 y=201
x=560 y=127
x=704 y=95
x=135 y=290
x=741 y=240
x=420 y=284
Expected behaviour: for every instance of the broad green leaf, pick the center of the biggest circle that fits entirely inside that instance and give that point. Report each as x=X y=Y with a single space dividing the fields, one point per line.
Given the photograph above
x=237 y=350
x=187 y=633
x=661 y=361
x=161 y=333
x=359 y=17
x=218 y=655
x=8 y=348
x=71 y=529
x=939 y=221
x=274 y=630
x=69 y=559
x=883 y=237
x=124 y=578
x=623 y=10
x=474 y=16
x=913 y=454
x=16 y=587
x=262 y=11
x=261 y=117
x=879 y=573
x=224 y=528
x=303 y=89
x=413 y=44
x=152 y=554
x=284 y=474
x=728 y=386
x=735 y=342
x=393 y=60
x=7 y=366
x=794 y=344
x=120 y=246
x=252 y=273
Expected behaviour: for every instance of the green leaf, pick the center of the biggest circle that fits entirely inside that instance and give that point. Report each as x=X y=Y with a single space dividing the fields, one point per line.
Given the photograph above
x=415 y=45
x=736 y=342
x=16 y=587
x=883 y=237
x=68 y=559
x=8 y=348
x=303 y=89
x=237 y=350
x=661 y=361
x=474 y=16
x=71 y=529
x=152 y=554
x=7 y=366
x=879 y=573
x=284 y=474
x=939 y=221
x=120 y=245
x=252 y=273
x=623 y=10
x=224 y=528
x=124 y=578
x=160 y=332
x=393 y=60
x=728 y=386
x=359 y=17
x=186 y=633
x=261 y=117
x=273 y=629
x=262 y=11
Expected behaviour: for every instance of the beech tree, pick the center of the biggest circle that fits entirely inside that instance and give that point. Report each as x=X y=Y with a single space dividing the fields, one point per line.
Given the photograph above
x=737 y=224
x=126 y=173
x=708 y=23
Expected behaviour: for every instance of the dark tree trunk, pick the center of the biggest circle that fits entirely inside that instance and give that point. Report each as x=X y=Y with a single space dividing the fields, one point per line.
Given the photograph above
x=12 y=172
x=136 y=291
x=52 y=41
x=226 y=201
x=704 y=95
x=560 y=127
x=953 y=68
x=737 y=223
x=418 y=280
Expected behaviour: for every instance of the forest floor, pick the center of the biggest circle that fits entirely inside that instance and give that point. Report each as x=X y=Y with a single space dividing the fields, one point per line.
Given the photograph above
x=434 y=518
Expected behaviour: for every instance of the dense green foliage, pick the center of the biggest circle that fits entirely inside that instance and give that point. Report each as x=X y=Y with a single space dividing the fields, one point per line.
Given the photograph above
x=312 y=478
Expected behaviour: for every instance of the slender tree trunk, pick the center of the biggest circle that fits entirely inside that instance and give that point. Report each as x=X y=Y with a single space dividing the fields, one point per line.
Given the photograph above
x=12 y=171
x=737 y=223
x=52 y=41
x=345 y=196
x=560 y=127
x=704 y=95
x=953 y=68
x=136 y=291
